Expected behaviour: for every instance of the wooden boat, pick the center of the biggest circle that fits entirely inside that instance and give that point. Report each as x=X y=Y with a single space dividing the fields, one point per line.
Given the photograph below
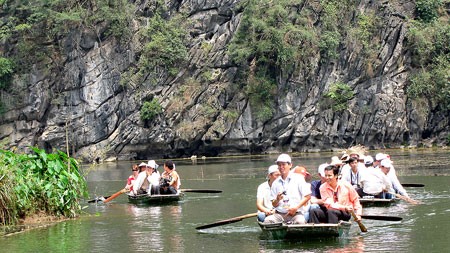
x=367 y=202
x=307 y=231
x=146 y=199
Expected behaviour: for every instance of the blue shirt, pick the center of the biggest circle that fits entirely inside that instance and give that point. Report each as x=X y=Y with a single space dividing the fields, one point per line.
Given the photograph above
x=315 y=189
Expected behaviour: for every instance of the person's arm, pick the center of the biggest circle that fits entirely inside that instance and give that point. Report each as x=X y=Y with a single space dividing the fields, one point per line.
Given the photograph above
x=174 y=179
x=355 y=204
x=396 y=184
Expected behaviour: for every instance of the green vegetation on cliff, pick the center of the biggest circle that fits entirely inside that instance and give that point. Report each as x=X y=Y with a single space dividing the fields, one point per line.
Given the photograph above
x=39 y=182
x=429 y=38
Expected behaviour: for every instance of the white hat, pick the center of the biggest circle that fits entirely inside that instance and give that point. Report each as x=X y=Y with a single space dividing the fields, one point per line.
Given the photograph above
x=336 y=161
x=152 y=164
x=380 y=156
x=368 y=160
x=284 y=158
x=386 y=163
x=272 y=169
x=143 y=165
x=321 y=169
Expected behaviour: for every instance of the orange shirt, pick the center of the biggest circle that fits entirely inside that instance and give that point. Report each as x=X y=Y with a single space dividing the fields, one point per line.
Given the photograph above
x=346 y=196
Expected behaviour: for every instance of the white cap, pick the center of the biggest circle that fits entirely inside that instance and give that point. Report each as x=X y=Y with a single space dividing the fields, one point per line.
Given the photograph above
x=368 y=160
x=380 y=156
x=321 y=169
x=272 y=169
x=284 y=158
x=152 y=164
x=386 y=163
x=336 y=161
x=143 y=165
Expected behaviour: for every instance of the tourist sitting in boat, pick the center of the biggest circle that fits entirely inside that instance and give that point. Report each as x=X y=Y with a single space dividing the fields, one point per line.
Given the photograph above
x=386 y=167
x=153 y=177
x=263 y=202
x=132 y=177
x=392 y=175
x=339 y=198
x=140 y=184
x=352 y=173
x=374 y=183
x=170 y=181
x=290 y=195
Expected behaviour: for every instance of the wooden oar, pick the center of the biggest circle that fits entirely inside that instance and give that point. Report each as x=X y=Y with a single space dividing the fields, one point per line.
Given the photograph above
x=407 y=199
x=115 y=195
x=413 y=185
x=379 y=217
x=201 y=190
x=227 y=221
x=361 y=226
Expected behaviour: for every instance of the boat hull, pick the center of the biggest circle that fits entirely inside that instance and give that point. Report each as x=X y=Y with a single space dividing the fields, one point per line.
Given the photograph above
x=145 y=199
x=367 y=202
x=304 y=231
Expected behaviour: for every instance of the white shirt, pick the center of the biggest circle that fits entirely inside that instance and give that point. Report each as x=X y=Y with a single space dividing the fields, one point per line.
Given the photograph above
x=296 y=189
x=153 y=179
x=263 y=193
x=137 y=183
x=374 y=181
x=351 y=177
x=396 y=183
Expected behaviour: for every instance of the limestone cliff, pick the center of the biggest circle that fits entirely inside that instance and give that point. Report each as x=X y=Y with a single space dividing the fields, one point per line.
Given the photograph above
x=206 y=111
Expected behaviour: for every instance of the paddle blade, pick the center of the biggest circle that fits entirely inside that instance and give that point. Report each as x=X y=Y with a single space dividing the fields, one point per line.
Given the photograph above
x=413 y=185
x=379 y=217
x=99 y=199
x=201 y=190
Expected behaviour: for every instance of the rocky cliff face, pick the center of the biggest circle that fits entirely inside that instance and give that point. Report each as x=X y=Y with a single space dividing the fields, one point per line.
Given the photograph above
x=84 y=105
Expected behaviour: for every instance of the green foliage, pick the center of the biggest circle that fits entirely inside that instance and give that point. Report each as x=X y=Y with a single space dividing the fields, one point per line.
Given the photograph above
x=428 y=42
x=6 y=71
x=433 y=83
x=427 y=10
x=43 y=182
x=150 y=110
x=165 y=48
x=339 y=94
x=261 y=90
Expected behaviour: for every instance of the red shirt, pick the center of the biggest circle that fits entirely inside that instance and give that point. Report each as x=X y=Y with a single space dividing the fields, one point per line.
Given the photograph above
x=130 y=181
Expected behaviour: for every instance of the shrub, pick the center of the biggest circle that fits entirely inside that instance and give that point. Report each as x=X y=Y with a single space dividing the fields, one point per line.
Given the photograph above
x=6 y=71
x=339 y=94
x=427 y=10
x=150 y=110
x=42 y=182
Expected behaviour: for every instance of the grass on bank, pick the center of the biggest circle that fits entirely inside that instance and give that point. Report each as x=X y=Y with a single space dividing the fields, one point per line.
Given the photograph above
x=39 y=183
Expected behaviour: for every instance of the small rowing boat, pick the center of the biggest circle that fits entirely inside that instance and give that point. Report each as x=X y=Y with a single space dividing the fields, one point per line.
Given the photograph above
x=146 y=199
x=307 y=231
x=367 y=202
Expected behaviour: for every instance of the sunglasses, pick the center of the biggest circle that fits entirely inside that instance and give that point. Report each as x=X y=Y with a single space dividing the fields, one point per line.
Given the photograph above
x=134 y=170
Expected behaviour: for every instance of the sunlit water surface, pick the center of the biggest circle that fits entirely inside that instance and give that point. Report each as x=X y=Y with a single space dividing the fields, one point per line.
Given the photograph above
x=122 y=227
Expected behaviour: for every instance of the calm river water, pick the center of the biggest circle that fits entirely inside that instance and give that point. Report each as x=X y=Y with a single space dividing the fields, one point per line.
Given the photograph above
x=122 y=227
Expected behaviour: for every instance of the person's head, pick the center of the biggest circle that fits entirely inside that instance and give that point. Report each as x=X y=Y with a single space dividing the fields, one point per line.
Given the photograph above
x=321 y=171
x=385 y=166
x=169 y=165
x=368 y=161
x=135 y=169
x=152 y=165
x=303 y=172
x=331 y=174
x=273 y=173
x=142 y=167
x=284 y=163
x=378 y=158
x=353 y=162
